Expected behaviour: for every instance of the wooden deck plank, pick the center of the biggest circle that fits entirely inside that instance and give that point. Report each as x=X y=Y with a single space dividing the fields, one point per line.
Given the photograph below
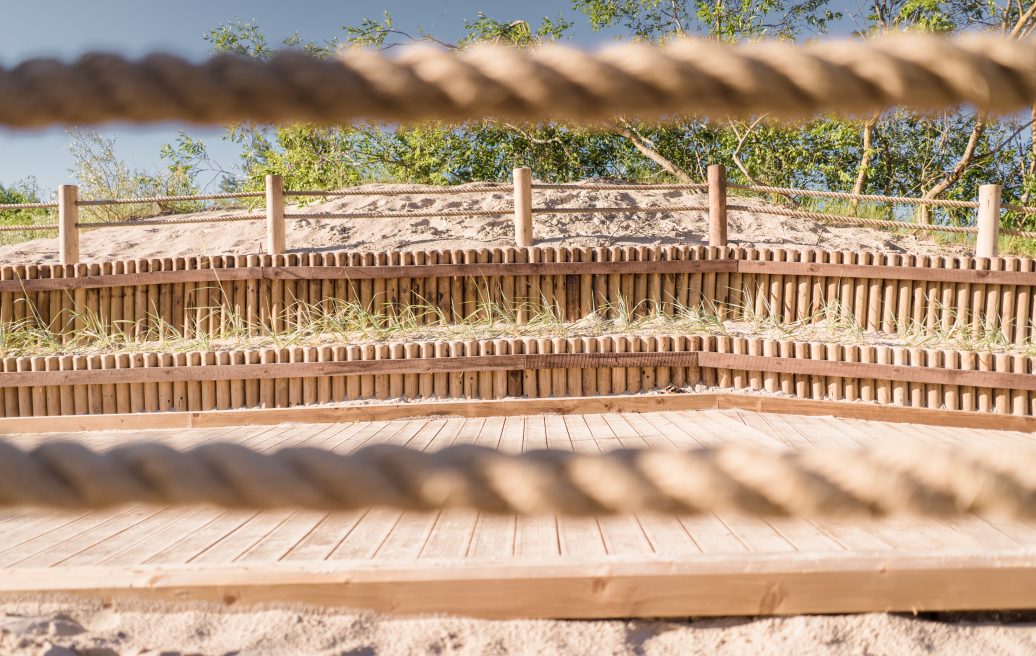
x=919 y=534
x=454 y=529
x=536 y=536
x=622 y=535
x=576 y=535
x=366 y=538
x=494 y=535
x=64 y=535
x=333 y=528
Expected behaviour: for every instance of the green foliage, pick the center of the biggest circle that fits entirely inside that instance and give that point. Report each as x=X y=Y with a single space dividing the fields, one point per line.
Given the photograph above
x=908 y=154
x=19 y=192
x=516 y=32
x=658 y=20
x=102 y=174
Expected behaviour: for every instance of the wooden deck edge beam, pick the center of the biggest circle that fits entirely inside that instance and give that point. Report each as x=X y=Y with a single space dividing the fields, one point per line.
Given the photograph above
x=704 y=586
x=516 y=407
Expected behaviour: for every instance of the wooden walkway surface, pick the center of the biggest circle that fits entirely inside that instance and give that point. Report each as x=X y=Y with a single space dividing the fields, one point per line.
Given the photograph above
x=460 y=561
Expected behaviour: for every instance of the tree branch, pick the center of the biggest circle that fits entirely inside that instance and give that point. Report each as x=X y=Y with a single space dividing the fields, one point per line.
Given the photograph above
x=624 y=129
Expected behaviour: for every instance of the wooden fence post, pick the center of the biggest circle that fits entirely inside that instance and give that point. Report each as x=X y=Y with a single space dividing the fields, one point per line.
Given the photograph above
x=717 y=205
x=523 y=206
x=68 y=224
x=275 y=214
x=988 y=220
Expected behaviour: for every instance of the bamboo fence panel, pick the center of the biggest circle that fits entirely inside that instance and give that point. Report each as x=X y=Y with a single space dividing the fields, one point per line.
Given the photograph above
x=198 y=297
x=542 y=367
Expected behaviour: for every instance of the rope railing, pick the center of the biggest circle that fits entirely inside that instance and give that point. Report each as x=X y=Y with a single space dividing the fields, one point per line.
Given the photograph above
x=229 y=218
x=850 y=220
x=817 y=482
x=878 y=223
x=409 y=191
x=579 y=186
x=683 y=77
x=169 y=199
x=524 y=213
x=899 y=200
x=27 y=206
x=399 y=215
x=628 y=209
x=41 y=227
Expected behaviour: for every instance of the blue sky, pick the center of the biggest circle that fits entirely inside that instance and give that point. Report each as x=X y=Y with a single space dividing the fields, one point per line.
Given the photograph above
x=67 y=28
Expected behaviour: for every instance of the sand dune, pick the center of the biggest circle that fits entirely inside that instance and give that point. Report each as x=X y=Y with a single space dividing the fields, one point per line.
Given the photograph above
x=747 y=229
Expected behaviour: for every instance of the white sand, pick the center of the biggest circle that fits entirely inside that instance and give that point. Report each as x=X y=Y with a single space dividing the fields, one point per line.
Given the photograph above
x=687 y=228
x=69 y=626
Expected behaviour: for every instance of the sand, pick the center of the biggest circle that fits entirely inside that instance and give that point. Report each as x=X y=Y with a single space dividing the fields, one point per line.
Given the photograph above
x=69 y=626
x=747 y=229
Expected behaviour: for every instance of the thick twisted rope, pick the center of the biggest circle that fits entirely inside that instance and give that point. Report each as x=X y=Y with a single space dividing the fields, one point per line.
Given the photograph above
x=43 y=227
x=406 y=191
x=551 y=83
x=873 y=223
x=400 y=215
x=27 y=206
x=229 y=218
x=631 y=209
x=898 y=200
x=819 y=482
x=594 y=186
x=170 y=199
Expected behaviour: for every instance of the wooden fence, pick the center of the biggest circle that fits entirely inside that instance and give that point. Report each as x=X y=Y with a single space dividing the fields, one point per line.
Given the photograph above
x=517 y=367
x=215 y=296
x=987 y=229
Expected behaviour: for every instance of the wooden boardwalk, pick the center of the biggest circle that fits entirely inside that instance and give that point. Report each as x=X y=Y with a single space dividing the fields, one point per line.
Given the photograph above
x=465 y=562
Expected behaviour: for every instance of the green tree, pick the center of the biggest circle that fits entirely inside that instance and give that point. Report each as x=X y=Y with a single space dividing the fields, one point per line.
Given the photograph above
x=896 y=152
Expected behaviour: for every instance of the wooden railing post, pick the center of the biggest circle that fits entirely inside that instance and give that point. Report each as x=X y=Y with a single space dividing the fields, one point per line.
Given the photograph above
x=717 y=205
x=275 y=214
x=68 y=224
x=523 y=206
x=988 y=220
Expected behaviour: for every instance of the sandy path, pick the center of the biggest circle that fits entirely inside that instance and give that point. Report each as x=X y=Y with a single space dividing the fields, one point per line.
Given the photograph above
x=86 y=627
x=748 y=229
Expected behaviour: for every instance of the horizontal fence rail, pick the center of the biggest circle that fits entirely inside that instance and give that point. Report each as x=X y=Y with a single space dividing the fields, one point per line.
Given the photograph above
x=514 y=367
